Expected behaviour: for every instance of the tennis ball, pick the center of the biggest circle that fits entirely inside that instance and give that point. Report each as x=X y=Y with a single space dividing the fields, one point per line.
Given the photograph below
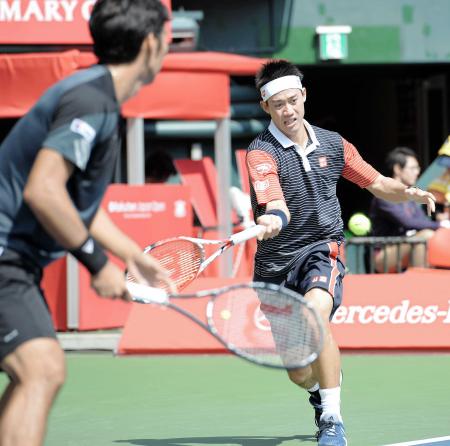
x=225 y=314
x=359 y=224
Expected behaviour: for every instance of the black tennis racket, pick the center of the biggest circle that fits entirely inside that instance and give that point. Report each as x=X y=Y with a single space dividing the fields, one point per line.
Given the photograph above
x=263 y=323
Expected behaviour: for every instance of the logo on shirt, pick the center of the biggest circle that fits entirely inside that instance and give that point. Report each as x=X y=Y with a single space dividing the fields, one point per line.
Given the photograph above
x=319 y=279
x=323 y=161
x=263 y=168
x=83 y=129
x=261 y=185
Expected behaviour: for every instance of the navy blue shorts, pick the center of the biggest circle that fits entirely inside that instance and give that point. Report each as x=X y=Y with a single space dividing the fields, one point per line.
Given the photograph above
x=319 y=266
x=23 y=310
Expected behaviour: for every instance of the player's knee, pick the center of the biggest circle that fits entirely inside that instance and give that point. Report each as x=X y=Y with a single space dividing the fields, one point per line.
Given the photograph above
x=300 y=376
x=39 y=363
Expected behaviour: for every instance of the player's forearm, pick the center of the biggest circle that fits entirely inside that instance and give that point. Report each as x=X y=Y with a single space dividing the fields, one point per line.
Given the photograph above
x=389 y=189
x=281 y=205
x=112 y=238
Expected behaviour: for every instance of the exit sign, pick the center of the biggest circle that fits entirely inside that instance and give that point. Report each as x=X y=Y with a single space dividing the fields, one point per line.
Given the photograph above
x=333 y=42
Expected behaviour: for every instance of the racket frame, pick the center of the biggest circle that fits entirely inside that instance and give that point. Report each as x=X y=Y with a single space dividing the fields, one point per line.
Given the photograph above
x=162 y=298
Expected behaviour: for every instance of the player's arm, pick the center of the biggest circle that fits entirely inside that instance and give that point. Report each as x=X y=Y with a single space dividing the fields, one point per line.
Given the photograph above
x=263 y=172
x=46 y=194
x=365 y=176
x=395 y=191
x=142 y=266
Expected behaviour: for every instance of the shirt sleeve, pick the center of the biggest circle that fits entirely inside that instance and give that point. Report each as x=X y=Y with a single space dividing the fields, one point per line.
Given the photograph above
x=408 y=215
x=263 y=172
x=356 y=169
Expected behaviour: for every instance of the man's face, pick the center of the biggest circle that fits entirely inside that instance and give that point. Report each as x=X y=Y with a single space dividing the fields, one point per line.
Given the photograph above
x=156 y=50
x=408 y=175
x=286 y=110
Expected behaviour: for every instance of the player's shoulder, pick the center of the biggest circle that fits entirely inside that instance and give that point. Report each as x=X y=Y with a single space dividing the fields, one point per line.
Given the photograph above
x=325 y=134
x=264 y=141
x=88 y=91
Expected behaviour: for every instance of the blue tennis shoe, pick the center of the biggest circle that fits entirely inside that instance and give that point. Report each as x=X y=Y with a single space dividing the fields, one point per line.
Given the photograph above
x=331 y=433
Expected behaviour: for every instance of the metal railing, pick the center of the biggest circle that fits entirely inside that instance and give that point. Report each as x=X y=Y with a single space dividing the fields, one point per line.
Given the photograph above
x=367 y=246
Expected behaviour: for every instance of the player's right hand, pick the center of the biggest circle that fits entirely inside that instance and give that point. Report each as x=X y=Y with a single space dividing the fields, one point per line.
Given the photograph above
x=110 y=282
x=272 y=224
x=148 y=271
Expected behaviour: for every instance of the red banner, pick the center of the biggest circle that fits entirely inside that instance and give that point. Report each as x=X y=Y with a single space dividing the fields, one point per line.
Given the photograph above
x=391 y=311
x=35 y=22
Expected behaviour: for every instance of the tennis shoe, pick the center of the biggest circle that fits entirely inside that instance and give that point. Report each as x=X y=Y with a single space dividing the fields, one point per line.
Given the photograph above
x=331 y=433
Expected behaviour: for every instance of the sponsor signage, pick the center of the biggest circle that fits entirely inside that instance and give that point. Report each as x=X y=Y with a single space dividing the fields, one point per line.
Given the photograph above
x=36 y=22
x=380 y=311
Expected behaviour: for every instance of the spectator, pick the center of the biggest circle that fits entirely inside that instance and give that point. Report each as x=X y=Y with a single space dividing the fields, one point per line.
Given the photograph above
x=159 y=167
x=402 y=219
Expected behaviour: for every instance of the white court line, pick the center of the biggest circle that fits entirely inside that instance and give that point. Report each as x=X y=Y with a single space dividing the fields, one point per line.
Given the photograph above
x=427 y=441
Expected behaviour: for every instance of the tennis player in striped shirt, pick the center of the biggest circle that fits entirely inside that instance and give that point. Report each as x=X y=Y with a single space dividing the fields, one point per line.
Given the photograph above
x=294 y=168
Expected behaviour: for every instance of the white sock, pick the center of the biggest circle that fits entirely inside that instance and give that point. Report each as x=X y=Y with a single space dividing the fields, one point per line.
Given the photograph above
x=314 y=388
x=331 y=403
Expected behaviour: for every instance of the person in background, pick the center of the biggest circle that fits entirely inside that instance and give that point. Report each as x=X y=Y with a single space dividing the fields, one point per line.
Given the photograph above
x=159 y=167
x=402 y=219
x=55 y=166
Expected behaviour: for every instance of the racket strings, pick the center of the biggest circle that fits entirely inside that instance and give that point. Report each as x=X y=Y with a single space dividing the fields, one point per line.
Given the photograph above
x=268 y=326
x=181 y=258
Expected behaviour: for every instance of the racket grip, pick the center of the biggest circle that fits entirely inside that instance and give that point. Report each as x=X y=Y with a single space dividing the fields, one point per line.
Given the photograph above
x=146 y=294
x=246 y=234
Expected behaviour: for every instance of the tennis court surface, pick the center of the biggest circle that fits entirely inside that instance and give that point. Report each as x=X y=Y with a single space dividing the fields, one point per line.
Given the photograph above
x=223 y=400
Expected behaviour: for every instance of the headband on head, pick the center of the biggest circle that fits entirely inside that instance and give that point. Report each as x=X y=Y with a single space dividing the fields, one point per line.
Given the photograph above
x=280 y=84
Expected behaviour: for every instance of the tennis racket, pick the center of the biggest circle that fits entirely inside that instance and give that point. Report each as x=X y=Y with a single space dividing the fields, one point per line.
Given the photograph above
x=263 y=323
x=184 y=257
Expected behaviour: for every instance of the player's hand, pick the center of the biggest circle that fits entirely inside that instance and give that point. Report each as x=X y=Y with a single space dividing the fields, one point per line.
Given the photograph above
x=272 y=224
x=147 y=270
x=422 y=197
x=110 y=282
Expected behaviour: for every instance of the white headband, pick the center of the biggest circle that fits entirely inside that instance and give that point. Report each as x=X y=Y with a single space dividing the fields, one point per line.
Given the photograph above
x=280 y=84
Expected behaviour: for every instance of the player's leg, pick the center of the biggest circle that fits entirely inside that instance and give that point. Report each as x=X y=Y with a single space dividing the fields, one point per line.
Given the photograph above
x=37 y=372
x=29 y=354
x=320 y=281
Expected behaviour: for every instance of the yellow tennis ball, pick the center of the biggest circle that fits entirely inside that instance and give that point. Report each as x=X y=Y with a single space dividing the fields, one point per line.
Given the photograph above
x=359 y=224
x=225 y=314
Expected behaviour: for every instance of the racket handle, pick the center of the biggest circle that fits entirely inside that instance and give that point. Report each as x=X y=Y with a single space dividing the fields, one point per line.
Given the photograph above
x=246 y=234
x=146 y=294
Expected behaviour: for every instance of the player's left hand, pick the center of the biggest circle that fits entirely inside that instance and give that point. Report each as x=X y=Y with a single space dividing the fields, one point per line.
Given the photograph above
x=422 y=197
x=147 y=270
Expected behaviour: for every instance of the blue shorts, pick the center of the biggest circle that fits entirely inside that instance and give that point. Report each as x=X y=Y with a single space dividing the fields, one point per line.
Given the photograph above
x=318 y=267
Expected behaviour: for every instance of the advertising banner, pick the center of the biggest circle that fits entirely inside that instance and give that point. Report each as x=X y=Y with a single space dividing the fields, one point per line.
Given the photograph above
x=35 y=22
x=381 y=311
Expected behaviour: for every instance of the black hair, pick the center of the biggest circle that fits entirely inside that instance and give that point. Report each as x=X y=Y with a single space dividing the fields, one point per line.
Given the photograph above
x=118 y=27
x=159 y=166
x=398 y=156
x=273 y=70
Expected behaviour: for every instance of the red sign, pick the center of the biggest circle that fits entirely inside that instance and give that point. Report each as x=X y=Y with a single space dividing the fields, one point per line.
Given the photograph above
x=46 y=21
x=380 y=311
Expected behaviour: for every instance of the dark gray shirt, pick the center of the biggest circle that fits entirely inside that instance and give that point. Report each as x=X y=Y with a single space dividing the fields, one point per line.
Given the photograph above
x=77 y=117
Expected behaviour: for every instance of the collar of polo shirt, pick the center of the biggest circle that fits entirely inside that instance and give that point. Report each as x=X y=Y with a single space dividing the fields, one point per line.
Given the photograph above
x=280 y=84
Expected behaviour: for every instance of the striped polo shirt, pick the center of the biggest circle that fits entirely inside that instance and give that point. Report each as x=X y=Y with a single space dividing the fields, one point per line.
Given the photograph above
x=306 y=180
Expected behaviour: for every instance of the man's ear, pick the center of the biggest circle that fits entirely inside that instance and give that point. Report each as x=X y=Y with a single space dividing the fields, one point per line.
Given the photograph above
x=304 y=94
x=264 y=106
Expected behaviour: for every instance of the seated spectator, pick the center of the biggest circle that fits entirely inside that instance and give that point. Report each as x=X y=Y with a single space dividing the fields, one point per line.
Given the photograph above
x=159 y=167
x=402 y=219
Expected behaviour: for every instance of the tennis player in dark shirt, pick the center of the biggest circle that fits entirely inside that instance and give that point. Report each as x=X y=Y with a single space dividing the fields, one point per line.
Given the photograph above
x=54 y=168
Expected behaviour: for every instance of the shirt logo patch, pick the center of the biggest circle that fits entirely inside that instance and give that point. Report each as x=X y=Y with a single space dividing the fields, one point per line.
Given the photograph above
x=83 y=129
x=263 y=168
x=319 y=279
x=261 y=186
x=323 y=161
